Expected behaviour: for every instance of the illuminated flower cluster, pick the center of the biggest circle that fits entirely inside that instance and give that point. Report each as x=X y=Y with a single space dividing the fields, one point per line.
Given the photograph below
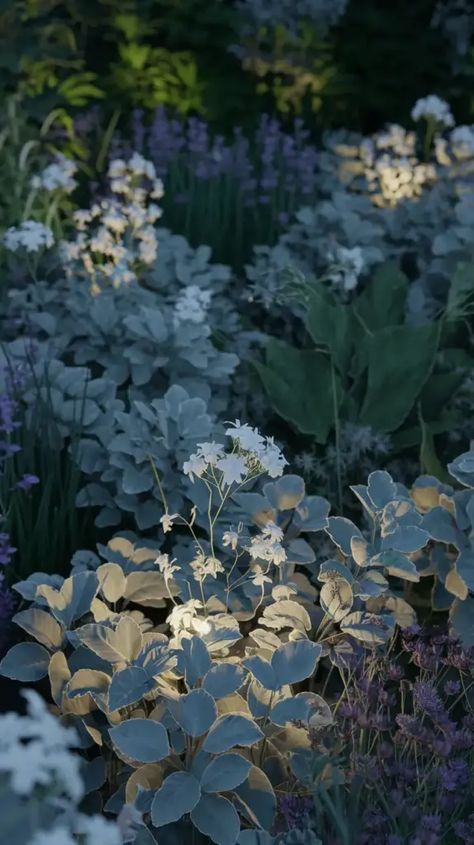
x=252 y=454
x=391 y=167
x=116 y=236
x=30 y=236
x=192 y=305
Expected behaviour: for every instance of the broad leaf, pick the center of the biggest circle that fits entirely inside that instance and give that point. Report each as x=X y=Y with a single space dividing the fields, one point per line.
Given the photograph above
x=217 y=818
x=225 y=773
x=143 y=740
x=178 y=795
x=230 y=730
x=25 y=662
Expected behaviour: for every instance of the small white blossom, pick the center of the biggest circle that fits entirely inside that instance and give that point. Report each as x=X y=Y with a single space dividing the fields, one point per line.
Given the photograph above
x=273 y=531
x=462 y=141
x=195 y=466
x=57 y=176
x=271 y=459
x=230 y=538
x=165 y=566
x=57 y=836
x=262 y=547
x=260 y=579
x=167 y=521
x=233 y=468
x=434 y=108
x=346 y=267
x=192 y=305
x=210 y=452
x=203 y=566
x=45 y=759
x=183 y=615
x=29 y=235
x=248 y=438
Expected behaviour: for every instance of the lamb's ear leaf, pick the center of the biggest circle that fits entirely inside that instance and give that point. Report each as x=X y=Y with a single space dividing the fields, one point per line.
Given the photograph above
x=217 y=818
x=25 y=662
x=178 y=795
x=42 y=626
x=225 y=773
x=143 y=740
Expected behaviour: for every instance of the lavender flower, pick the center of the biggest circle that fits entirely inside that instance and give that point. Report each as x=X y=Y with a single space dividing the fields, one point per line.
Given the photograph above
x=27 y=482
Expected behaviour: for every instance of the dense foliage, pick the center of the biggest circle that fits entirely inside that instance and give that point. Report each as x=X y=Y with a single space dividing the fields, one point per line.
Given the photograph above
x=260 y=212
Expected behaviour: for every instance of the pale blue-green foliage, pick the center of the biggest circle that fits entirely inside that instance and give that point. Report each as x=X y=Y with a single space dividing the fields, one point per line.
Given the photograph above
x=340 y=218
x=129 y=334
x=120 y=461
x=195 y=746
x=429 y=234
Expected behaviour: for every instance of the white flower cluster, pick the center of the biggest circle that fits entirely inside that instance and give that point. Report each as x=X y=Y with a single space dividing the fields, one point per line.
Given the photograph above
x=192 y=305
x=36 y=751
x=115 y=236
x=346 y=267
x=252 y=455
x=58 y=176
x=433 y=108
x=29 y=235
x=267 y=545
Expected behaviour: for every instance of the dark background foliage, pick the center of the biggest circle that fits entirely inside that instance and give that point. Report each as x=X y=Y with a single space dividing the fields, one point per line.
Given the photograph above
x=371 y=67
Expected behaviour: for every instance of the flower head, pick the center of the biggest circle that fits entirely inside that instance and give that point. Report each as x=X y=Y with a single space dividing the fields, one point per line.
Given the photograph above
x=433 y=108
x=29 y=235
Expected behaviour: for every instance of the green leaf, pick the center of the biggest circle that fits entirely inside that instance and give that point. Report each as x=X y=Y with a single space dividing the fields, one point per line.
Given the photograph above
x=299 y=384
x=382 y=302
x=461 y=290
x=400 y=359
x=329 y=323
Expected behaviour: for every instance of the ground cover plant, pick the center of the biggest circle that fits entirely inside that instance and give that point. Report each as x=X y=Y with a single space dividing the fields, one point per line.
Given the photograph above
x=236 y=438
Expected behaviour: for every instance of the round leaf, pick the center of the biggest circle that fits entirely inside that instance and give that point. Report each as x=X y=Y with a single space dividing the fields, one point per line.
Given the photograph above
x=25 y=662
x=217 y=818
x=142 y=740
x=194 y=712
x=230 y=730
x=225 y=773
x=178 y=795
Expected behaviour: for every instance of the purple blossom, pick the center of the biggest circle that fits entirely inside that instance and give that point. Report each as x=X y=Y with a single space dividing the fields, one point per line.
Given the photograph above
x=6 y=550
x=454 y=775
x=295 y=810
x=452 y=687
x=27 y=482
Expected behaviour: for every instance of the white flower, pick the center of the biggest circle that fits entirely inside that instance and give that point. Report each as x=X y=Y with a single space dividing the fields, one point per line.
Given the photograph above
x=271 y=459
x=203 y=566
x=192 y=305
x=346 y=267
x=183 y=615
x=433 y=107
x=233 y=468
x=462 y=140
x=230 y=538
x=262 y=547
x=166 y=566
x=210 y=452
x=57 y=176
x=167 y=521
x=195 y=466
x=29 y=235
x=273 y=531
x=46 y=759
x=260 y=579
x=248 y=438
